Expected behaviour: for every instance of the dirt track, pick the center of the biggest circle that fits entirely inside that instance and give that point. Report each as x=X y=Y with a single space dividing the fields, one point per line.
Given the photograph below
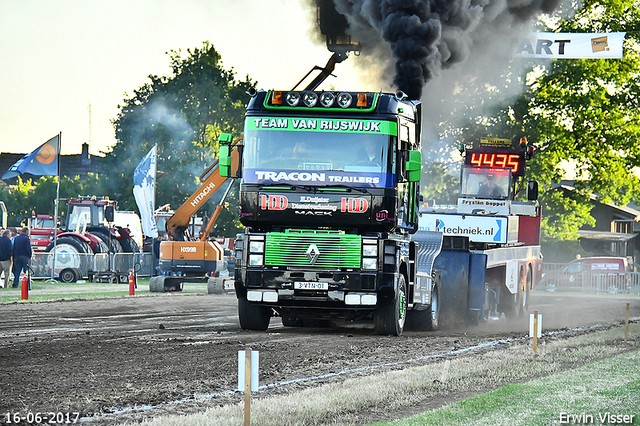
x=108 y=356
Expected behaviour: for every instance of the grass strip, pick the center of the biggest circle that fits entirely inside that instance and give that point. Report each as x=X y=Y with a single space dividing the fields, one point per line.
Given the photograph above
x=602 y=392
x=42 y=291
x=382 y=396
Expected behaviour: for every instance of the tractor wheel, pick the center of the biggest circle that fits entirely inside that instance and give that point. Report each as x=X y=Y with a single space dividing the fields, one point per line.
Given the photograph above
x=112 y=242
x=390 y=314
x=70 y=252
x=253 y=317
x=101 y=247
x=129 y=245
x=135 y=248
x=74 y=244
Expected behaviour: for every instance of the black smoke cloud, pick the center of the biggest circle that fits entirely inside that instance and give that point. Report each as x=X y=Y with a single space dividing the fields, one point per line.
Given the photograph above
x=426 y=37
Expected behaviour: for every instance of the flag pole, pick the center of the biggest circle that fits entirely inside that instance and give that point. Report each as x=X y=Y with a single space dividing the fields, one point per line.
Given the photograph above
x=55 y=212
x=153 y=213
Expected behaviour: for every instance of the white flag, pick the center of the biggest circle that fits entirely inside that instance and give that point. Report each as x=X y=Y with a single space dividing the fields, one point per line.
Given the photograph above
x=144 y=187
x=572 y=46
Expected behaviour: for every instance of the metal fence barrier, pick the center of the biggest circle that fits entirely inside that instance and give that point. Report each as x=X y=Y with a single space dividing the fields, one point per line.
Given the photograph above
x=554 y=279
x=92 y=264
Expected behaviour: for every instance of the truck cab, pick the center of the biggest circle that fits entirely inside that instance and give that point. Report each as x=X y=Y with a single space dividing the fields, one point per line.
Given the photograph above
x=329 y=196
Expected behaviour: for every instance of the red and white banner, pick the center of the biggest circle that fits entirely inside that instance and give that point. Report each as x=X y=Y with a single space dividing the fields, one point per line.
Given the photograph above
x=572 y=46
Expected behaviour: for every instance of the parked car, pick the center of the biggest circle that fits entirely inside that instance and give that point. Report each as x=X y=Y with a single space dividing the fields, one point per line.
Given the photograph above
x=591 y=273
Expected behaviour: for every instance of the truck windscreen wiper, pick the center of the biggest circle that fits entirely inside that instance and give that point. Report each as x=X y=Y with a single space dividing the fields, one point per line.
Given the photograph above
x=346 y=188
x=285 y=188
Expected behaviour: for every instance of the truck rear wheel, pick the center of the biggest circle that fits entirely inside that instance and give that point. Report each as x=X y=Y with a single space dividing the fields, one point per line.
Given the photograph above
x=390 y=314
x=432 y=320
x=427 y=319
x=514 y=306
x=253 y=317
x=524 y=307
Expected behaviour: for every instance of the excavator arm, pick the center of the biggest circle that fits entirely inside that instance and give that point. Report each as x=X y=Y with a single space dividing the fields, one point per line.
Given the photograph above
x=211 y=182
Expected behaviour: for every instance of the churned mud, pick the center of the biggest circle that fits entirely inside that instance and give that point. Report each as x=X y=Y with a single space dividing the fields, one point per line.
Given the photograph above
x=132 y=358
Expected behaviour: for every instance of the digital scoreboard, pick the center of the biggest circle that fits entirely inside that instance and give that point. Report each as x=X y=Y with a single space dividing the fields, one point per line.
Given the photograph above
x=495 y=158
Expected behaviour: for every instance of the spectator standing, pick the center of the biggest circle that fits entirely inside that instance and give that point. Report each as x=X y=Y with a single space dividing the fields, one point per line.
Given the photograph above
x=5 y=256
x=21 y=255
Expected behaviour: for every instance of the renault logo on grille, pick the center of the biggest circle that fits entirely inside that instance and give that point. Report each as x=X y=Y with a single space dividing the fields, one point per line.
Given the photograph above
x=313 y=253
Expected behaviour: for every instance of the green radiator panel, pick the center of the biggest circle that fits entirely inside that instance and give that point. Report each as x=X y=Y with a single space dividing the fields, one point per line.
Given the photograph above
x=313 y=249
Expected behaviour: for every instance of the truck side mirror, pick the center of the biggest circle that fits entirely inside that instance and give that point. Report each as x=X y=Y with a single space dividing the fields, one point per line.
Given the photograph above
x=109 y=213
x=532 y=190
x=414 y=166
x=224 y=155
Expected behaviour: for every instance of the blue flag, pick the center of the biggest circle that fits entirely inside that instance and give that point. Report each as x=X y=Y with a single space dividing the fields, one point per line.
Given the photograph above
x=41 y=162
x=144 y=187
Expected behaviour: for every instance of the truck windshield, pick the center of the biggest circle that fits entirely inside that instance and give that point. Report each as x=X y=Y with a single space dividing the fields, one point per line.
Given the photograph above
x=318 y=151
x=490 y=183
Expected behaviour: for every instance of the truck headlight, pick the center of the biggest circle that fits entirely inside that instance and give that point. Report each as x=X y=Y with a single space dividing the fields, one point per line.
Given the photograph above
x=369 y=263
x=370 y=250
x=256 y=260
x=256 y=246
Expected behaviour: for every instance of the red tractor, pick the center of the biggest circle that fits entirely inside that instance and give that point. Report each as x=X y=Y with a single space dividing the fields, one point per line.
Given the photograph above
x=89 y=230
x=42 y=231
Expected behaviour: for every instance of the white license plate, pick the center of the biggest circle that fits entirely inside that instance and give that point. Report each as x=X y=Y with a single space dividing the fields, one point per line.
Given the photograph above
x=304 y=285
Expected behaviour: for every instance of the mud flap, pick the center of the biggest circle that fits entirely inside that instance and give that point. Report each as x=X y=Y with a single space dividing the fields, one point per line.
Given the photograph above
x=462 y=277
x=429 y=246
x=476 y=294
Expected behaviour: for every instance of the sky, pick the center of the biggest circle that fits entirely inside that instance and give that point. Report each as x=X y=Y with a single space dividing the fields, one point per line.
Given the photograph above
x=65 y=65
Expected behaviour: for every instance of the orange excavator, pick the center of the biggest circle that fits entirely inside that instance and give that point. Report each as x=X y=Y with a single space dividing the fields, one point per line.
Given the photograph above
x=182 y=260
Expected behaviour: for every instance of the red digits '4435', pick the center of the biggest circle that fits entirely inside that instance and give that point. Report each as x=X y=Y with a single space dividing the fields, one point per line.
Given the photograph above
x=493 y=159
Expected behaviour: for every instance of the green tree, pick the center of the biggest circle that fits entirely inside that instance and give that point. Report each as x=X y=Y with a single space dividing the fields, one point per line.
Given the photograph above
x=16 y=201
x=438 y=185
x=184 y=115
x=580 y=112
x=28 y=197
x=586 y=112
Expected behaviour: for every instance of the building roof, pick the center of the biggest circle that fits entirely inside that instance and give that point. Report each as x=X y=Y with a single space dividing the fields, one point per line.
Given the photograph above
x=608 y=236
x=628 y=209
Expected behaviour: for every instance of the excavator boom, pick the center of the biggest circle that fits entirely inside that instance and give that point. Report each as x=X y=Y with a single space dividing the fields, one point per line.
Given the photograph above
x=181 y=260
x=211 y=182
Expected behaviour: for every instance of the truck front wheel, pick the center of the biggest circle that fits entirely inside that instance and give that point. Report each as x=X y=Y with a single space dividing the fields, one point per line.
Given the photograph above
x=253 y=317
x=390 y=314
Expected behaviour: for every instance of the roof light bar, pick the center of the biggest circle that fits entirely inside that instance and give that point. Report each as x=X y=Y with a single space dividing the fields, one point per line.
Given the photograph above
x=310 y=99
x=322 y=99
x=344 y=100
x=326 y=99
x=293 y=98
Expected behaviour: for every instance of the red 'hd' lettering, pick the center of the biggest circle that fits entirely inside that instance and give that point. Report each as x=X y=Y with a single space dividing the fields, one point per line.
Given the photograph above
x=354 y=205
x=273 y=202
